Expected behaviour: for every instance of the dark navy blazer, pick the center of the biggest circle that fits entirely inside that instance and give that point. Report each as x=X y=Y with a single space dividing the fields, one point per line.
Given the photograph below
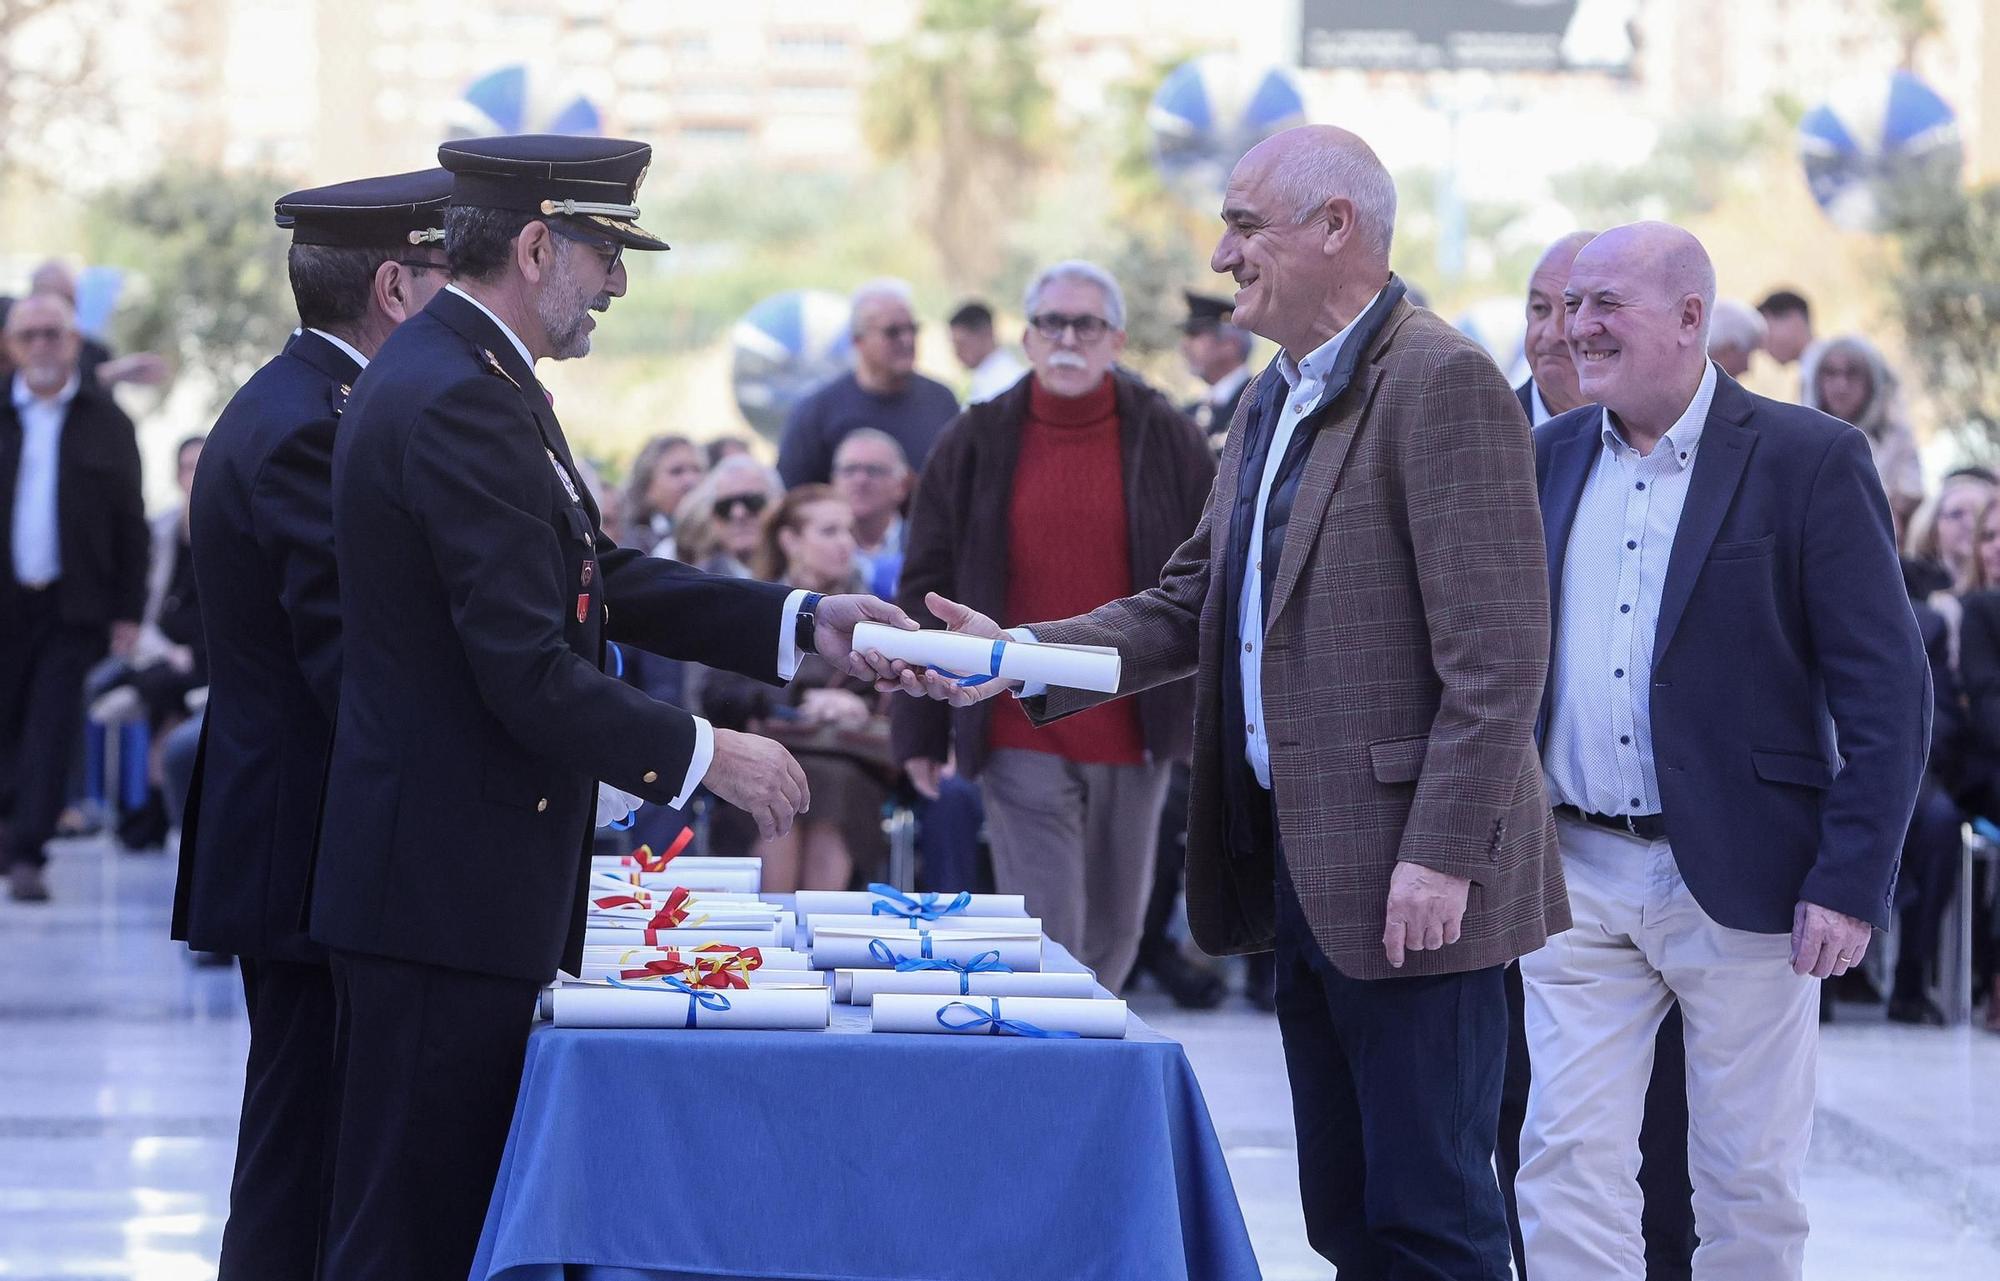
x=1791 y=696
x=477 y=592
x=261 y=523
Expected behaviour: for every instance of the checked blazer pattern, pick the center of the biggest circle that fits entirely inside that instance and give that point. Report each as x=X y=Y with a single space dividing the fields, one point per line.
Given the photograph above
x=1406 y=648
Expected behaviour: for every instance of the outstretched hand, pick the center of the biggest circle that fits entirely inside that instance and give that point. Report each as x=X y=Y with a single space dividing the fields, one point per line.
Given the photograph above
x=833 y=636
x=947 y=689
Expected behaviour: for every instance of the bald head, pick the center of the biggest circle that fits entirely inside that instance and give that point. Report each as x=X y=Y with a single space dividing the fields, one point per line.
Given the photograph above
x=55 y=278
x=1308 y=218
x=1545 y=342
x=1639 y=300
x=42 y=342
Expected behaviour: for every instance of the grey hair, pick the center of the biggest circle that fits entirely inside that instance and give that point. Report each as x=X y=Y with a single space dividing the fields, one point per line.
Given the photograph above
x=881 y=289
x=1736 y=324
x=1077 y=272
x=1352 y=170
x=875 y=435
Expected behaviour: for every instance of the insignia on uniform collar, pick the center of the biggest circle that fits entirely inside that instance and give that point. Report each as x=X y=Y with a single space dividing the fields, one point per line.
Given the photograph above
x=340 y=395
x=493 y=365
x=569 y=486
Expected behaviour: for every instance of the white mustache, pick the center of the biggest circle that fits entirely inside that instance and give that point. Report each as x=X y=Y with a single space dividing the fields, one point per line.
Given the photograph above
x=1067 y=360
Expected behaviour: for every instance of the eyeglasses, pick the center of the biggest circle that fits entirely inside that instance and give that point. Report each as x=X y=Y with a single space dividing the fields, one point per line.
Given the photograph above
x=753 y=504
x=49 y=333
x=870 y=471
x=419 y=264
x=617 y=253
x=1051 y=324
x=902 y=332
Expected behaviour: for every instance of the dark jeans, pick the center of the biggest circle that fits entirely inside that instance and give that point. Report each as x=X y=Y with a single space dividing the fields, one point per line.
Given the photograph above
x=1396 y=1094
x=277 y=1198
x=1929 y=879
x=429 y=1061
x=948 y=837
x=43 y=661
x=1667 y=1222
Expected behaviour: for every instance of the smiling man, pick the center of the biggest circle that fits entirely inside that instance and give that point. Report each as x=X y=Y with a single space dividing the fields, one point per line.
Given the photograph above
x=1551 y=387
x=1364 y=608
x=1736 y=724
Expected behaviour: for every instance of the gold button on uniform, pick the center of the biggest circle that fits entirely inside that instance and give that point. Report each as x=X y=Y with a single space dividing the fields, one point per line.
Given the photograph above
x=541 y=805
x=650 y=776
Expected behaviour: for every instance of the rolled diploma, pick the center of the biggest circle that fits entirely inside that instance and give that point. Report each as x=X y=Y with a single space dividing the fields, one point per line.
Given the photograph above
x=901 y=1012
x=1088 y=667
x=812 y=903
x=770 y=1007
x=861 y=987
x=774 y=958
x=602 y=934
x=888 y=925
x=737 y=875
x=661 y=884
x=847 y=949
x=595 y=972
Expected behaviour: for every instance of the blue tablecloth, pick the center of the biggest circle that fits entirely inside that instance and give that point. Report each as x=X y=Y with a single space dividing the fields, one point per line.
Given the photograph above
x=848 y=1156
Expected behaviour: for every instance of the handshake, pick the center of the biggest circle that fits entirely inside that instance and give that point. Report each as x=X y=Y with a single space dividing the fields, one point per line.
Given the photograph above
x=874 y=641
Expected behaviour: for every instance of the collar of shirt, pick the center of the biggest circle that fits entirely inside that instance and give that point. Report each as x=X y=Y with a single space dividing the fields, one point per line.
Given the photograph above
x=1319 y=362
x=511 y=336
x=345 y=347
x=24 y=398
x=1229 y=384
x=1681 y=438
x=1538 y=409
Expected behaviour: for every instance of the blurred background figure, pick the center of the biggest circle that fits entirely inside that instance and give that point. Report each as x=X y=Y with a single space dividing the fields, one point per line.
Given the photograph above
x=718 y=522
x=993 y=368
x=1551 y=387
x=1848 y=378
x=1069 y=490
x=666 y=470
x=872 y=477
x=77 y=582
x=835 y=726
x=724 y=447
x=1788 y=322
x=1735 y=333
x=1218 y=353
x=54 y=278
x=883 y=391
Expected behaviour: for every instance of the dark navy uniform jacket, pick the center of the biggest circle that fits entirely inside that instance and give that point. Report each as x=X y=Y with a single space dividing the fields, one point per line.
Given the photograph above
x=477 y=593
x=261 y=524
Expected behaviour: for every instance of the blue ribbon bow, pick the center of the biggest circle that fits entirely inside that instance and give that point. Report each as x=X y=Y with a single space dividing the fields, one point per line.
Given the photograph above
x=881 y=951
x=993 y=1023
x=976 y=678
x=984 y=963
x=925 y=907
x=698 y=997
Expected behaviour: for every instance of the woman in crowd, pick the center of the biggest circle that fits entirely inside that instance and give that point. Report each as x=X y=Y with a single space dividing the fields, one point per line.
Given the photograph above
x=718 y=523
x=837 y=727
x=665 y=472
x=1940 y=553
x=1848 y=378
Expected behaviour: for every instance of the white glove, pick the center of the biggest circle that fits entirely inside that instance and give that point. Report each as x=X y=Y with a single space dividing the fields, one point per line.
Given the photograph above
x=614 y=805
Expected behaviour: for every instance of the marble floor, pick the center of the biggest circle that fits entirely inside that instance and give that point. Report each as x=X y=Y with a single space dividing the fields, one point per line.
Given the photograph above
x=120 y=1065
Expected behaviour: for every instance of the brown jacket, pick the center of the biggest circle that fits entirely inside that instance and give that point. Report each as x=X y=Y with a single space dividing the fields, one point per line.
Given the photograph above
x=1406 y=645
x=956 y=545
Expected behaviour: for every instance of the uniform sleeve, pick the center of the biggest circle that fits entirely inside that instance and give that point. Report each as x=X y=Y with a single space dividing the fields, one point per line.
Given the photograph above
x=476 y=477
x=676 y=611
x=292 y=507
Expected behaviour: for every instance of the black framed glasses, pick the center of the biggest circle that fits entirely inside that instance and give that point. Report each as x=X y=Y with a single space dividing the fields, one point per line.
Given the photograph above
x=1088 y=329
x=611 y=260
x=753 y=504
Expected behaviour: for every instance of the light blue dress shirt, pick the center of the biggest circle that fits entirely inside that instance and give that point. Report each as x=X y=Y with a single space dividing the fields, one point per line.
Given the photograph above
x=1599 y=752
x=37 y=536
x=1306 y=380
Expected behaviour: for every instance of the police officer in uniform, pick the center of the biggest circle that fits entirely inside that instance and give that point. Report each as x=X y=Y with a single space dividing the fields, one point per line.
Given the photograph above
x=478 y=592
x=364 y=256
x=1218 y=353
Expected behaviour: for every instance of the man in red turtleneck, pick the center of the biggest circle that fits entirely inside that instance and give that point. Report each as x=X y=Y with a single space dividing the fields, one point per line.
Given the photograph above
x=1070 y=490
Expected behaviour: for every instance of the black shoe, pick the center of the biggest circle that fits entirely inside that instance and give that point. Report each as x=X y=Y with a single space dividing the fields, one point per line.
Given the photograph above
x=1191 y=986
x=1919 y=1011
x=25 y=884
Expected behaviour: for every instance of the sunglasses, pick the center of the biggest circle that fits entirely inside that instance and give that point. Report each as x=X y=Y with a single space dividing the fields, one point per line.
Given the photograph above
x=898 y=333
x=727 y=508
x=1051 y=324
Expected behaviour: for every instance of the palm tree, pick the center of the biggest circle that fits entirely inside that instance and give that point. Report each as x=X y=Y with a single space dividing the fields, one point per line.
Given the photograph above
x=961 y=101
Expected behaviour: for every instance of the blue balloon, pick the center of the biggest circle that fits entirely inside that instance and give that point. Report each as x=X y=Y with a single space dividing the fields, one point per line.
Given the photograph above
x=1208 y=112
x=510 y=100
x=785 y=347
x=1877 y=148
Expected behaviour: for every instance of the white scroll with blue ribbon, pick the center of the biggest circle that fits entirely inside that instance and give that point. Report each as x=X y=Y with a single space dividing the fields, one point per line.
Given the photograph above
x=948 y=925
x=882 y=947
x=667 y=1005
x=975 y=659
x=888 y=901
x=959 y=978
x=1032 y=1017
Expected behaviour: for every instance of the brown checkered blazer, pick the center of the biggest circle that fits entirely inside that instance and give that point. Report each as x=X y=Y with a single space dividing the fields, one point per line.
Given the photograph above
x=1407 y=643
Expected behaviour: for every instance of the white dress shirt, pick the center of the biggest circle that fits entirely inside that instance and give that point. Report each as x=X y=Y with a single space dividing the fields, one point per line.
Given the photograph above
x=37 y=536
x=361 y=360
x=1599 y=752
x=1538 y=409
x=1000 y=370
x=789 y=653
x=1307 y=382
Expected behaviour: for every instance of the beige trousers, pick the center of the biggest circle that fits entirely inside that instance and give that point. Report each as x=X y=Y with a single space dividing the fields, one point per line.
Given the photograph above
x=1079 y=841
x=1595 y=996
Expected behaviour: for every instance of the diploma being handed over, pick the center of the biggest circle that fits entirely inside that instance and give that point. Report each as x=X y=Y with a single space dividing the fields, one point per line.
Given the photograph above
x=973 y=659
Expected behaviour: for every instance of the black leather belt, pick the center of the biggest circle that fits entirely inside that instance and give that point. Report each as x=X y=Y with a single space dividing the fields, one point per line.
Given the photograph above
x=1647 y=827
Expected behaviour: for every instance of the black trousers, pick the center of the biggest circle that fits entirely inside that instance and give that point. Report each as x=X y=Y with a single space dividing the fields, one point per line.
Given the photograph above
x=1667 y=1221
x=278 y=1196
x=1396 y=1095
x=43 y=661
x=1156 y=948
x=429 y=1063
x=1929 y=879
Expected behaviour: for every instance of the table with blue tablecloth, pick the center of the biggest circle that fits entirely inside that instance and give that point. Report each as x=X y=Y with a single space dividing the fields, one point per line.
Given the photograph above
x=845 y=1155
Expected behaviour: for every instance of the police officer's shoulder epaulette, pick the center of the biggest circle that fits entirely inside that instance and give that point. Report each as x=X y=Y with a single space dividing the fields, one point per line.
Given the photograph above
x=493 y=366
x=338 y=396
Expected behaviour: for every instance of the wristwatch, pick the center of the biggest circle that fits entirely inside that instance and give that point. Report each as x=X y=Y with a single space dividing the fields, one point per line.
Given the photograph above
x=803 y=623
